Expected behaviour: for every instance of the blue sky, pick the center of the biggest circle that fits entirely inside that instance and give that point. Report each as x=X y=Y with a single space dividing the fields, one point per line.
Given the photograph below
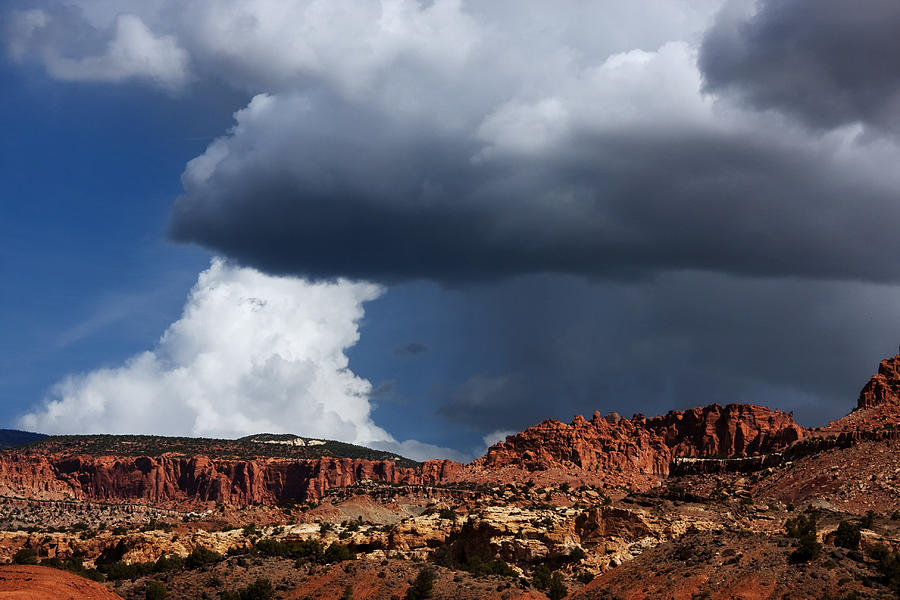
x=88 y=175
x=583 y=208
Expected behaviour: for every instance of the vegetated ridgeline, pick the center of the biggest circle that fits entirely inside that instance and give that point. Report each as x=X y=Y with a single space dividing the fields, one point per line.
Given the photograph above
x=635 y=453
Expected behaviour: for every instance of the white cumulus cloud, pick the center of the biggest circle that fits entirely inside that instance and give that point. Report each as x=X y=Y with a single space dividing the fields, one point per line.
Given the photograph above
x=132 y=51
x=251 y=353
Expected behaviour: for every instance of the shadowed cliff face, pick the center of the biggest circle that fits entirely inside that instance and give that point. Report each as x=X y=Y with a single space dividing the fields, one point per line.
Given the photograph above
x=647 y=445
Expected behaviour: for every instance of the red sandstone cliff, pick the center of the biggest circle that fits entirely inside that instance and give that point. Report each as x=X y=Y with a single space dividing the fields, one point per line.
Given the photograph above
x=609 y=449
x=169 y=478
x=642 y=445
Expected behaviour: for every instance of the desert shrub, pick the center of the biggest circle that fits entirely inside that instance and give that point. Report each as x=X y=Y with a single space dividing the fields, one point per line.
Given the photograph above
x=807 y=549
x=271 y=547
x=422 y=585
x=847 y=535
x=168 y=563
x=576 y=555
x=557 y=590
x=352 y=526
x=585 y=577
x=867 y=521
x=75 y=565
x=261 y=589
x=888 y=564
x=447 y=514
x=541 y=577
x=25 y=556
x=337 y=553
x=120 y=570
x=803 y=528
x=800 y=525
x=200 y=557
x=476 y=566
x=155 y=590
x=303 y=550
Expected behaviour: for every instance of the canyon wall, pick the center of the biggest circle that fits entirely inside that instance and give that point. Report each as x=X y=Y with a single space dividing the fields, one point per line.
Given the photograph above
x=176 y=479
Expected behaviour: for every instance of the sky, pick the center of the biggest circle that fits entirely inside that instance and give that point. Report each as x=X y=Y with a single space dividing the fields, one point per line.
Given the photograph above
x=422 y=225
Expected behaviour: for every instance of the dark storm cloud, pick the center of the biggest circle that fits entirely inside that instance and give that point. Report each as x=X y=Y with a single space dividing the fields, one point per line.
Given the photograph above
x=827 y=62
x=338 y=192
x=648 y=234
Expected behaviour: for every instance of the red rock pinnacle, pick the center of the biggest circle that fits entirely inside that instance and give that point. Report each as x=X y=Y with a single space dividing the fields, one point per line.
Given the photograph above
x=884 y=387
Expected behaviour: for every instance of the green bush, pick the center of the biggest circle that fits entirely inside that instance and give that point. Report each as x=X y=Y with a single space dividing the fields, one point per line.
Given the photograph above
x=302 y=551
x=75 y=565
x=155 y=590
x=261 y=589
x=807 y=549
x=447 y=514
x=541 y=577
x=337 y=553
x=800 y=525
x=422 y=585
x=557 y=590
x=847 y=535
x=585 y=577
x=200 y=557
x=120 y=570
x=576 y=555
x=25 y=556
x=168 y=563
x=888 y=565
x=803 y=528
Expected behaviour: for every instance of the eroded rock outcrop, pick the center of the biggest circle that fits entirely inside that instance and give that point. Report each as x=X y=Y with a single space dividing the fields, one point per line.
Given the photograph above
x=884 y=386
x=646 y=445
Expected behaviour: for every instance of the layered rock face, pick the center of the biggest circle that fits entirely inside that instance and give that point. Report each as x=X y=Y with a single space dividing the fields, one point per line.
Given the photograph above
x=884 y=387
x=646 y=445
x=186 y=479
x=609 y=448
